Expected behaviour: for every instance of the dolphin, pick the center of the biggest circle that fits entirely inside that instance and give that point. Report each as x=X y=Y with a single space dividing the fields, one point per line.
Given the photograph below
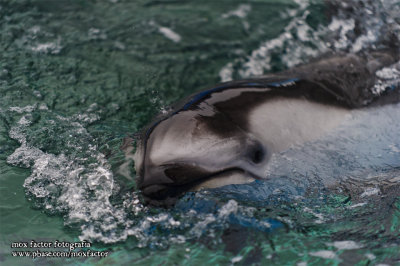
x=226 y=134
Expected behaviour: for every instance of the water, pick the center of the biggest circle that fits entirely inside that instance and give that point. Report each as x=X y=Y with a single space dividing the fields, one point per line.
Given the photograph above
x=77 y=77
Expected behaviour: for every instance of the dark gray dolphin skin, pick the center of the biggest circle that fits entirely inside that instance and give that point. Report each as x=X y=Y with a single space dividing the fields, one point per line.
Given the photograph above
x=226 y=134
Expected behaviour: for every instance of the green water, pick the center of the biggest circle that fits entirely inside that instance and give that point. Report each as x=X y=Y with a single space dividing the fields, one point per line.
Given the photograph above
x=94 y=72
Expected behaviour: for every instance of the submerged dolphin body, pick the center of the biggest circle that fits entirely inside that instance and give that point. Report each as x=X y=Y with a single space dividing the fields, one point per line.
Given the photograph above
x=226 y=134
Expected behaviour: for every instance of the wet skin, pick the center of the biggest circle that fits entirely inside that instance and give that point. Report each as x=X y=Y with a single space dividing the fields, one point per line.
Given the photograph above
x=226 y=134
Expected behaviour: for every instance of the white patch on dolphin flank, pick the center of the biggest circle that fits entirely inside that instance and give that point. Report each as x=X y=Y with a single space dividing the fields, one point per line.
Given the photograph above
x=285 y=122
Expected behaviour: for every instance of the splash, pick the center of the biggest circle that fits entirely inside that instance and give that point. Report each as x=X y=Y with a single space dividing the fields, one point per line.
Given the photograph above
x=78 y=182
x=355 y=26
x=388 y=78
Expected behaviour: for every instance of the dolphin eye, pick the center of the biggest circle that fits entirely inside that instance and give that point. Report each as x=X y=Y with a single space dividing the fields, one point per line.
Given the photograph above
x=257 y=153
x=258 y=156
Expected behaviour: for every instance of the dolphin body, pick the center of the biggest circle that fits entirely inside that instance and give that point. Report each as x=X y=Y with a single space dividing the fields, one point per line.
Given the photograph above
x=226 y=134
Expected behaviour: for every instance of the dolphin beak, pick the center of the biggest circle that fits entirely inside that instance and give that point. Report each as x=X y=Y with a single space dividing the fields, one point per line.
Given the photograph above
x=173 y=178
x=163 y=191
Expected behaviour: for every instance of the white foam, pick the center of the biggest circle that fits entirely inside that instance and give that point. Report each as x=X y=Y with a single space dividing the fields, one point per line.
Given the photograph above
x=25 y=109
x=293 y=44
x=346 y=245
x=48 y=47
x=357 y=205
x=96 y=34
x=78 y=184
x=370 y=192
x=236 y=259
x=230 y=207
x=170 y=34
x=302 y=3
x=320 y=218
x=370 y=256
x=343 y=27
x=387 y=78
x=293 y=50
x=241 y=12
x=200 y=226
x=363 y=41
x=35 y=29
x=325 y=254
x=225 y=74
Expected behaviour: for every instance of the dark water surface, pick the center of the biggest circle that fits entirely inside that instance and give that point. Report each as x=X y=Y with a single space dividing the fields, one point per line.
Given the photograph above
x=76 y=77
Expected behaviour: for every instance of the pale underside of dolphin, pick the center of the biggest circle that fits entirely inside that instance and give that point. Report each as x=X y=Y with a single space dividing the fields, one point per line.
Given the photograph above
x=226 y=134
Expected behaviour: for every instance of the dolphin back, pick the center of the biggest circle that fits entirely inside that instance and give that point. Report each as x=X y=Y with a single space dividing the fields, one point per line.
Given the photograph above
x=340 y=79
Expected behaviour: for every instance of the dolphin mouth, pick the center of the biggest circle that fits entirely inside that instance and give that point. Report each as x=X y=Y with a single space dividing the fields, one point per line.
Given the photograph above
x=156 y=193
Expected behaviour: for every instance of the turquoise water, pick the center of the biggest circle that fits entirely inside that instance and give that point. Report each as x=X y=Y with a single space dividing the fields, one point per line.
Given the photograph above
x=77 y=77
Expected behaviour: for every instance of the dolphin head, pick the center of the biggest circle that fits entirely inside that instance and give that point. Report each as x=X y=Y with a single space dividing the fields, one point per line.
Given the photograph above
x=193 y=149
